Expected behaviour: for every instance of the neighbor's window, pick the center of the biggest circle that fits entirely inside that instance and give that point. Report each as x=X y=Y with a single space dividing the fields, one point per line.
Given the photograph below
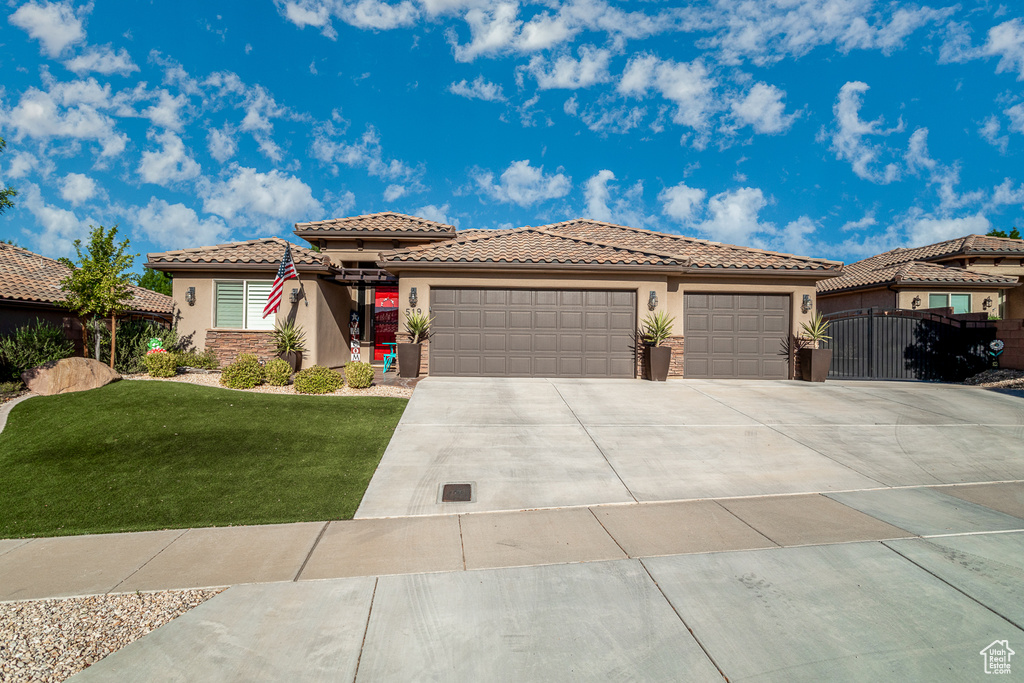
x=240 y=305
x=960 y=303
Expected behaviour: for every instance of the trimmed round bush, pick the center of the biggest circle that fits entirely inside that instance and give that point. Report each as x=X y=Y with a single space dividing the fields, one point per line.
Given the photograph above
x=32 y=345
x=278 y=372
x=359 y=375
x=317 y=380
x=245 y=373
x=161 y=364
x=205 y=360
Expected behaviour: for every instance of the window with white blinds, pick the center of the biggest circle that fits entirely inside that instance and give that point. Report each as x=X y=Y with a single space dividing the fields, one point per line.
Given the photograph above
x=239 y=305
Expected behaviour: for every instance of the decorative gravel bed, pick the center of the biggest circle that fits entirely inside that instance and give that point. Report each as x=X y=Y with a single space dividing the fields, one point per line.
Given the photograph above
x=51 y=640
x=1002 y=378
x=212 y=379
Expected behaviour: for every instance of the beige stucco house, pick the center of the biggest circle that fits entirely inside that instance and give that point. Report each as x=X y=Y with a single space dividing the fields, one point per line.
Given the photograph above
x=564 y=299
x=972 y=274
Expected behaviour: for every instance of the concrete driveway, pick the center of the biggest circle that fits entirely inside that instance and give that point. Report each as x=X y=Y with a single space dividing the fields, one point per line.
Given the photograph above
x=535 y=443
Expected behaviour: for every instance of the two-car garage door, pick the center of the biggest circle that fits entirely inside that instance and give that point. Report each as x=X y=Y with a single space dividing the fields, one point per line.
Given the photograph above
x=532 y=333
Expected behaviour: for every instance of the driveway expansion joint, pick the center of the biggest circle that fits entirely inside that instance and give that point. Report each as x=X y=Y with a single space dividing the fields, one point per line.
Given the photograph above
x=316 y=542
x=144 y=564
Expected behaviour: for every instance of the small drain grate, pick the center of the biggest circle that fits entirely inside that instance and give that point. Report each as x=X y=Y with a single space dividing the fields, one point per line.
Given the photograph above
x=457 y=493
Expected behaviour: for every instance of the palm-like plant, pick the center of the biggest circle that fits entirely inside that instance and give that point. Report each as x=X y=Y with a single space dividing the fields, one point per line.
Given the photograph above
x=418 y=325
x=289 y=338
x=816 y=329
x=656 y=328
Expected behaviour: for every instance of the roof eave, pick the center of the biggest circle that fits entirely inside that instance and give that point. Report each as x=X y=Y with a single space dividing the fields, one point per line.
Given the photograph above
x=174 y=266
x=398 y=266
x=329 y=233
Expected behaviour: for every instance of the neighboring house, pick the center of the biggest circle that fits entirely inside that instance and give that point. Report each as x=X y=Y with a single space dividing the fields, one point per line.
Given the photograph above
x=973 y=274
x=30 y=290
x=558 y=300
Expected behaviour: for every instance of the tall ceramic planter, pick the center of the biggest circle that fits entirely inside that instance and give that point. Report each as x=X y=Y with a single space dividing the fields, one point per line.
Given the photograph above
x=294 y=359
x=409 y=360
x=658 y=359
x=814 y=364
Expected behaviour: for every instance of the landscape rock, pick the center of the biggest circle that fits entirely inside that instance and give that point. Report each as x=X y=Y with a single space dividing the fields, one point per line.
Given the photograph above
x=68 y=375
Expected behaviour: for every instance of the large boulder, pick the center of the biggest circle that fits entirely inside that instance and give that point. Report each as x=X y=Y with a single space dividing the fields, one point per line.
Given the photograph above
x=68 y=375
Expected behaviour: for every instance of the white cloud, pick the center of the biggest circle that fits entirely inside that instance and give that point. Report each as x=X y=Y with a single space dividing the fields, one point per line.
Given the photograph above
x=492 y=30
x=77 y=188
x=267 y=199
x=60 y=227
x=733 y=216
x=393 y=192
x=989 y=132
x=170 y=164
x=371 y=14
x=221 y=143
x=796 y=237
x=681 y=202
x=1007 y=41
x=56 y=25
x=23 y=163
x=306 y=13
x=102 y=60
x=848 y=140
x=73 y=110
x=173 y=226
x=568 y=73
x=866 y=222
x=764 y=109
x=688 y=85
x=1005 y=193
x=524 y=184
x=167 y=110
x=436 y=213
x=1016 y=115
x=366 y=153
x=596 y=193
x=479 y=89
x=956 y=47
x=925 y=229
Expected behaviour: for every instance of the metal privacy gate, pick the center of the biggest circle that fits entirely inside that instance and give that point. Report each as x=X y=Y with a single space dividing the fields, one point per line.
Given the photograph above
x=875 y=344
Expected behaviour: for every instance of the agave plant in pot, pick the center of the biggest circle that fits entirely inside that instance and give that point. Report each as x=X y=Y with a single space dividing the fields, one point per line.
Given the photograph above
x=417 y=324
x=655 y=329
x=814 y=361
x=290 y=342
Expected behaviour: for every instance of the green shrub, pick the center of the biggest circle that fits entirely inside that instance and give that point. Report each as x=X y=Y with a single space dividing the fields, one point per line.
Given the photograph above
x=359 y=375
x=278 y=372
x=32 y=345
x=10 y=387
x=317 y=380
x=205 y=360
x=161 y=364
x=132 y=343
x=245 y=373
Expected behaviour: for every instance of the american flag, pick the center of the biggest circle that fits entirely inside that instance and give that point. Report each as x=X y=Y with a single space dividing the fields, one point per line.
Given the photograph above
x=285 y=272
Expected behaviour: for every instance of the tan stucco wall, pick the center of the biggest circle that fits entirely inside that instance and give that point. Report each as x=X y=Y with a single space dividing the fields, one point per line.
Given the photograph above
x=795 y=289
x=847 y=301
x=906 y=298
x=1008 y=267
x=325 y=342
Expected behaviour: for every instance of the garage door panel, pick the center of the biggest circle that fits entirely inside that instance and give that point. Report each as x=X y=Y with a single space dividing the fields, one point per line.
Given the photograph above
x=541 y=333
x=744 y=337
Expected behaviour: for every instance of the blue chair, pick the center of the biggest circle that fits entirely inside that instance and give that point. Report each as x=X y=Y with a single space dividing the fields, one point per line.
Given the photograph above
x=391 y=357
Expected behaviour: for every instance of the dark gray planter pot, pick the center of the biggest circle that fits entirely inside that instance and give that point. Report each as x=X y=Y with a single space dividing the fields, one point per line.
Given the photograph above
x=294 y=359
x=409 y=360
x=814 y=364
x=658 y=359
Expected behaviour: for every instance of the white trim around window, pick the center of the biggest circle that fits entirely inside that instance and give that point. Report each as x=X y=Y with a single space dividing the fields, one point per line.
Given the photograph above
x=238 y=304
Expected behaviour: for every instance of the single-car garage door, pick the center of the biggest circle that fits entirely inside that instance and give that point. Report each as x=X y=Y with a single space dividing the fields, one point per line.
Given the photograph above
x=736 y=336
x=532 y=333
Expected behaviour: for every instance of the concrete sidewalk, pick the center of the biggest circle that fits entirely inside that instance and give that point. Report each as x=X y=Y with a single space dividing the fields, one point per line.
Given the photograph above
x=810 y=589
x=225 y=556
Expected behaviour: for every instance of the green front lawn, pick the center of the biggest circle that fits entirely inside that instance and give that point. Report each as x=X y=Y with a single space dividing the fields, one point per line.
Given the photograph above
x=154 y=455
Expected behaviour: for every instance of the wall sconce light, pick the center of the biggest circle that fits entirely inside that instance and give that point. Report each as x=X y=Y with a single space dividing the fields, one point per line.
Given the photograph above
x=987 y=303
x=806 y=304
x=295 y=296
x=652 y=302
x=413 y=299
x=190 y=296
x=915 y=303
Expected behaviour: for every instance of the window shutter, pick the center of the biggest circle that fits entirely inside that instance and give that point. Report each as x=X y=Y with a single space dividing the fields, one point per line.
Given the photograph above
x=256 y=299
x=229 y=305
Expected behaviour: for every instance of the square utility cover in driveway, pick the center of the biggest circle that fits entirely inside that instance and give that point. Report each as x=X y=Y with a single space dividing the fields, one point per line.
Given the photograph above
x=464 y=492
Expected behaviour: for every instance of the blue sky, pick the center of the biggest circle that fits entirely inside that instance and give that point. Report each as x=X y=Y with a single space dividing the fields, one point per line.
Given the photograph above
x=833 y=128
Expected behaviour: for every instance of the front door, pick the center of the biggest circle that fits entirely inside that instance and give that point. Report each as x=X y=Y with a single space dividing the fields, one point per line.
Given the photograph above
x=385 y=320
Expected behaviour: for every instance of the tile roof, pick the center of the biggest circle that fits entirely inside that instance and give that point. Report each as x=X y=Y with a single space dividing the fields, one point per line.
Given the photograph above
x=912 y=265
x=386 y=222
x=867 y=273
x=701 y=254
x=26 y=276
x=528 y=246
x=261 y=254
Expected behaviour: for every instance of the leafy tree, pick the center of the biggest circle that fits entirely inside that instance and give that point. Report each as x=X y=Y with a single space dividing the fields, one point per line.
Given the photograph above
x=1013 y=235
x=6 y=193
x=99 y=283
x=156 y=281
